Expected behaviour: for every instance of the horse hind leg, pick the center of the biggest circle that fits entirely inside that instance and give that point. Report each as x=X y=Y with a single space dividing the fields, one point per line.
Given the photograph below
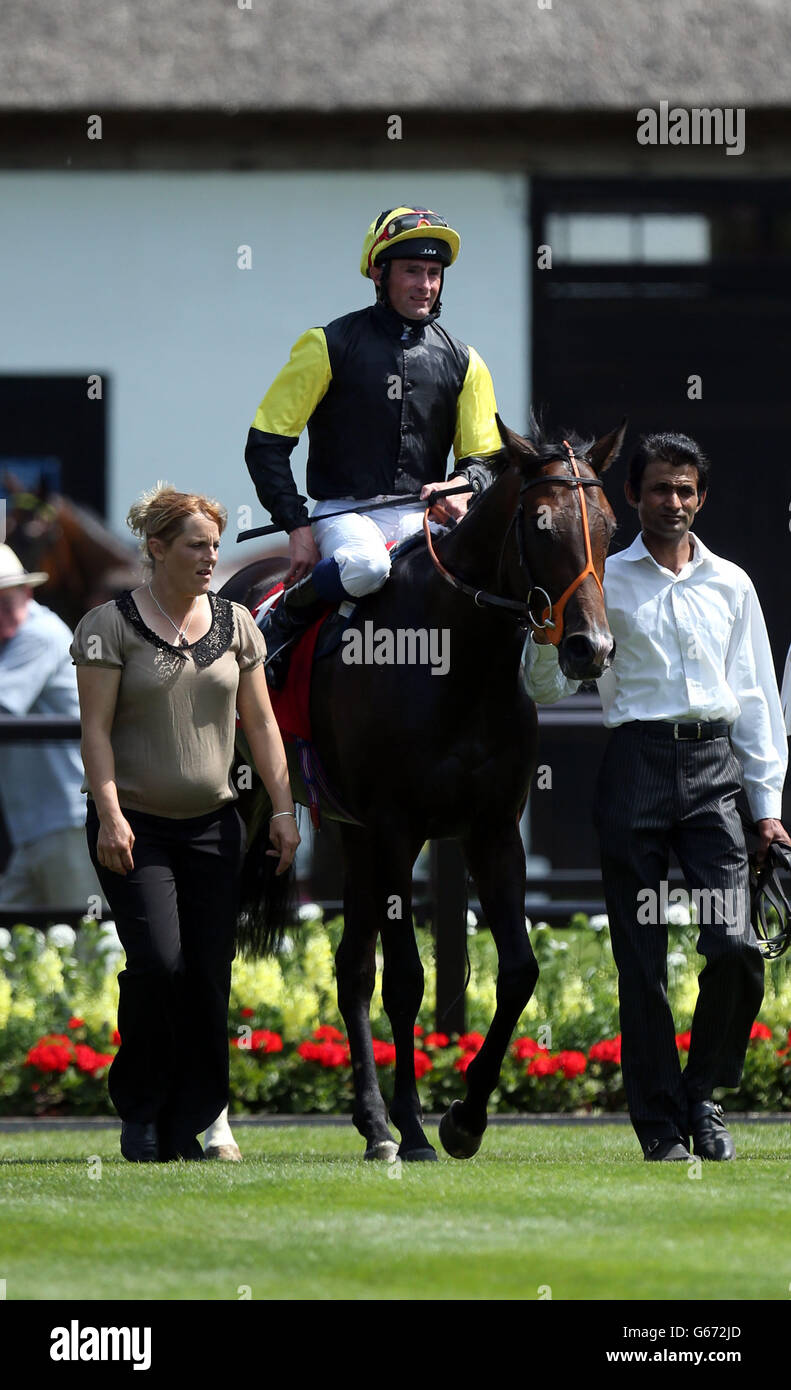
x=402 y=995
x=355 y=963
x=218 y=1141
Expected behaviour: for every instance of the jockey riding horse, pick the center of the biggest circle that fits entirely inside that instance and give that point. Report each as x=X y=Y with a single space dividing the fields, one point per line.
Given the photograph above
x=385 y=393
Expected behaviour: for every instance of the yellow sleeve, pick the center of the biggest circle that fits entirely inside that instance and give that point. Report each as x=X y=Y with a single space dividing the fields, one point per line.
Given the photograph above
x=298 y=388
x=476 y=427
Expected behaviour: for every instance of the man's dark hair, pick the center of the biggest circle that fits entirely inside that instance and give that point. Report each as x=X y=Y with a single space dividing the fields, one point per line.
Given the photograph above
x=677 y=449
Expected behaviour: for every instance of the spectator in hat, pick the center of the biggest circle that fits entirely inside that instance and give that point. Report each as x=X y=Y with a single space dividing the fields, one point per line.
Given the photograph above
x=42 y=805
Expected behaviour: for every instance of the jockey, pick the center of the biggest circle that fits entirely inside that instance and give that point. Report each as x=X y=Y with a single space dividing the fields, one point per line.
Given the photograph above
x=384 y=392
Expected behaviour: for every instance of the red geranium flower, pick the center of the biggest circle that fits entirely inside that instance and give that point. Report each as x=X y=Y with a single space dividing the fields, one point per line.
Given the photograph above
x=90 y=1061
x=53 y=1053
x=471 y=1042
x=543 y=1065
x=608 y=1050
x=116 y=1038
x=261 y=1040
x=461 y=1064
x=384 y=1053
x=525 y=1047
x=326 y=1033
x=246 y=1013
x=571 y=1064
x=683 y=1041
x=436 y=1040
x=418 y=1031
x=76 y=1022
x=423 y=1063
x=327 y=1054
x=760 y=1030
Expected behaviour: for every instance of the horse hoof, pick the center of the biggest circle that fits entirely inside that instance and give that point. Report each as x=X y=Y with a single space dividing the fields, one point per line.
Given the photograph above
x=426 y=1155
x=226 y=1153
x=456 y=1140
x=385 y=1152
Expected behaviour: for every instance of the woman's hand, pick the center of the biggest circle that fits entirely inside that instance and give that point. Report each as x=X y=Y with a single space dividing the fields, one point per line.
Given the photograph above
x=114 y=845
x=284 y=835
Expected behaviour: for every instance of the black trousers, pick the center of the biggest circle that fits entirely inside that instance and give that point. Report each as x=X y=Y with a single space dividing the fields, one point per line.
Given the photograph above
x=654 y=795
x=175 y=913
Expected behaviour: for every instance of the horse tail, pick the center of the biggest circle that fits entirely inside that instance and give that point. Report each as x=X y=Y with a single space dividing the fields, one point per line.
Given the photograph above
x=267 y=901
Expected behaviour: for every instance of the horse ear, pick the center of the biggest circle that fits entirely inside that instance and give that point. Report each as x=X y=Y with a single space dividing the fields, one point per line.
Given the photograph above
x=515 y=443
x=606 y=450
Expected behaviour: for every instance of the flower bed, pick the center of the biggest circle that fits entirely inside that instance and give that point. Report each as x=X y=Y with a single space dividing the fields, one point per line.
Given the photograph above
x=58 y=1000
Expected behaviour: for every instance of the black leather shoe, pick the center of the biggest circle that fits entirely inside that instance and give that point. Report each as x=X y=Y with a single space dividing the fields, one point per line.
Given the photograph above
x=667 y=1151
x=709 y=1135
x=139 y=1143
x=297 y=609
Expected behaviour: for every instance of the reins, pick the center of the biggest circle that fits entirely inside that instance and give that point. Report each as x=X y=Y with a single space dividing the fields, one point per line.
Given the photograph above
x=483 y=599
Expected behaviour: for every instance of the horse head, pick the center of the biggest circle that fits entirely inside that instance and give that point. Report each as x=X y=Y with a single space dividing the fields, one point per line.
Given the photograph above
x=560 y=533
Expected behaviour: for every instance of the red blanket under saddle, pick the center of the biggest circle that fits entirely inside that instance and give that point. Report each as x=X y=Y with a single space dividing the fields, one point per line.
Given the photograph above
x=292 y=704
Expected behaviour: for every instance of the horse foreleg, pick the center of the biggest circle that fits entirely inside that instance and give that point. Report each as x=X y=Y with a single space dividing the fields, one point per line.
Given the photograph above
x=498 y=867
x=355 y=966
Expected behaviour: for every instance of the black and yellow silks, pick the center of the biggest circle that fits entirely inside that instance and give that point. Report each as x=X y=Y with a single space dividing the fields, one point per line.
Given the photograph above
x=384 y=400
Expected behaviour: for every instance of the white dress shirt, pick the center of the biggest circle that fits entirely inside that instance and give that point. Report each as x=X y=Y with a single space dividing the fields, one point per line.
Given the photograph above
x=689 y=646
x=785 y=694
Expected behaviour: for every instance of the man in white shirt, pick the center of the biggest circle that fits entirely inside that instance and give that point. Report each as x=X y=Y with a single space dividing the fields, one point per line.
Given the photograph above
x=691 y=698
x=785 y=692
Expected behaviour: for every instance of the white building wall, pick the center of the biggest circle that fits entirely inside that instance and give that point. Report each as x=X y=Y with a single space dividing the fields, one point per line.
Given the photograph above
x=135 y=275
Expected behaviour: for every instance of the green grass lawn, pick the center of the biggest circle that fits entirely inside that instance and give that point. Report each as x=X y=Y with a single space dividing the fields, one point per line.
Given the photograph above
x=303 y=1217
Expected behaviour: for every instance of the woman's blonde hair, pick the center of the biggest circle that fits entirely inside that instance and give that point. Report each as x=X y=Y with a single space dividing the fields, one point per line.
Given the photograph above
x=162 y=512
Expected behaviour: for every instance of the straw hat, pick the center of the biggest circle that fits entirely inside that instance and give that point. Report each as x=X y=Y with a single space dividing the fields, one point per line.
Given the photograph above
x=13 y=574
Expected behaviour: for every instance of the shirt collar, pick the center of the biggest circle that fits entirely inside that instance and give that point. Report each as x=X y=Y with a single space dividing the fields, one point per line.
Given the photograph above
x=639 y=551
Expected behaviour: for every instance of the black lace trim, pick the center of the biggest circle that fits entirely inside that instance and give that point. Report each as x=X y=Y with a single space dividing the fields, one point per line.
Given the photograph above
x=207 y=649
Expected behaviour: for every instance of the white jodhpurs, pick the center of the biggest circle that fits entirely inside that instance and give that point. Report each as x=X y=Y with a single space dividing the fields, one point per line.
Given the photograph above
x=359 y=543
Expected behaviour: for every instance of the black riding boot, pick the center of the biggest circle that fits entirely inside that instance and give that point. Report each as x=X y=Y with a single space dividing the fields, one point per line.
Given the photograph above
x=298 y=608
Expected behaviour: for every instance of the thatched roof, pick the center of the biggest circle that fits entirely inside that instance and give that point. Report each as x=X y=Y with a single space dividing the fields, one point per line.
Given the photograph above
x=392 y=55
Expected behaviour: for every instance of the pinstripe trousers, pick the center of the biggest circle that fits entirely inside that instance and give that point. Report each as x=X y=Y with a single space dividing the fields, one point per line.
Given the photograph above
x=654 y=794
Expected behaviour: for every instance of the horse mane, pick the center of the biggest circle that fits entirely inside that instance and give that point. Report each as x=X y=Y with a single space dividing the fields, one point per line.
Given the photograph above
x=549 y=443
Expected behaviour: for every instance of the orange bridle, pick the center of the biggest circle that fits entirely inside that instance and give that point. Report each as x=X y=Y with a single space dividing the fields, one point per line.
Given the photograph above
x=555 y=637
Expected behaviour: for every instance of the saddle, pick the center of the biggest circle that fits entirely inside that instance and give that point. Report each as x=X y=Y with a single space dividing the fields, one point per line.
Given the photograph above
x=291 y=703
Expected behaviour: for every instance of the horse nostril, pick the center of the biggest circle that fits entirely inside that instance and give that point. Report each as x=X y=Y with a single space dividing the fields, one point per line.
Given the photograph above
x=580 y=649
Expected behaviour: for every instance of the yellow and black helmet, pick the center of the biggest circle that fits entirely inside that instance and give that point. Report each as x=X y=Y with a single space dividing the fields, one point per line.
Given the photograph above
x=402 y=232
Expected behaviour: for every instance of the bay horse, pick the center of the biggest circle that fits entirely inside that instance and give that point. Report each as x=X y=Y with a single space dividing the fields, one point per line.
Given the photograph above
x=414 y=755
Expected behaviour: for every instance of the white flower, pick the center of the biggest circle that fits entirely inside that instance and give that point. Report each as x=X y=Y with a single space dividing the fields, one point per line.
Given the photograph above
x=528 y=924
x=309 y=912
x=5 y=938
x=676 y=958
x=678 y=915
x=62 y=935
x=472 y=920
x=542 y=926
x=599 y=921
x=109 y=943
x=555 y=945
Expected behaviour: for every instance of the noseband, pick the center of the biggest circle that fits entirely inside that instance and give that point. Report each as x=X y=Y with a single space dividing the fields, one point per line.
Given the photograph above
x=482 y=599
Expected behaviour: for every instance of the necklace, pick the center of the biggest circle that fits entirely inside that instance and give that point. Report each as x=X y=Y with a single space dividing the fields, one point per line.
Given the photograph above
x=181 y=632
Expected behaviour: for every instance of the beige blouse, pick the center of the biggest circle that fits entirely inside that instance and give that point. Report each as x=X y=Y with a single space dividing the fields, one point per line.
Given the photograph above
x=174 y=724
